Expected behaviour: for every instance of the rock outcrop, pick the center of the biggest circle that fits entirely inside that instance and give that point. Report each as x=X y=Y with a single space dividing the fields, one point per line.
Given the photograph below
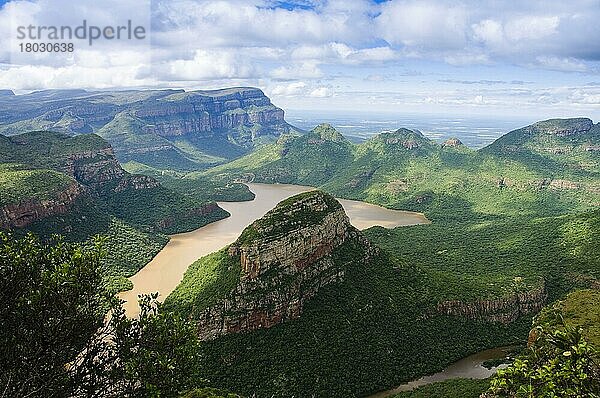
x=139 y=122
x=503 y=310
x=452 y=143
x=404 y=138
x=19 y=215
x=562 y=127
x=102 y=173
x=285 y=258
x=202 y=112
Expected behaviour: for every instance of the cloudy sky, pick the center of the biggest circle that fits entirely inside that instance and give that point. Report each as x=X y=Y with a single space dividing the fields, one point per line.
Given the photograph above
x=535 y=58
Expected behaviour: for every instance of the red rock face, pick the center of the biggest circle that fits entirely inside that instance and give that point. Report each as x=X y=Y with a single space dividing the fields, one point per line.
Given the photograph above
x=279 y=274
x=96 y=172
x=22 y=214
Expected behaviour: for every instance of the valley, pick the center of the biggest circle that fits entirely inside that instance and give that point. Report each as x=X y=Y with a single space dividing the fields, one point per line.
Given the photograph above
x=307 y=264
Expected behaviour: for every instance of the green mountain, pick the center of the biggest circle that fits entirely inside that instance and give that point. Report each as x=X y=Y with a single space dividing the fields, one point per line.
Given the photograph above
x=53 y=183
x=513 y=230
x=165 y=129
x=302 y=303
x=405 y=170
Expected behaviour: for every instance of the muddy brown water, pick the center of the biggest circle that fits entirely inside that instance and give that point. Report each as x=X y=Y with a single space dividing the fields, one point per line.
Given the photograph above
x=166 y=269
x=470 y=367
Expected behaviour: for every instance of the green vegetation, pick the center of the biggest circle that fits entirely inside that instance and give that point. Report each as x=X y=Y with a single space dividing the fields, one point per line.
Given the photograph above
x=127 y=248
x=579 y=309
x=131 y=210
x=47 y=150
x=161 y=210
x=373 y=320
x=405 y=170
x=127 y=251
x=504 y=222
x=23 y=185
x=453 y=388
x=310 y=159
x=490 y=259
x=559 y=146
x=53 y=301
x=205 y=281
x=559 y=363
x=280 y=220
x=195 y=185
x=57 y=340
x=209 y=393
x=354 y=337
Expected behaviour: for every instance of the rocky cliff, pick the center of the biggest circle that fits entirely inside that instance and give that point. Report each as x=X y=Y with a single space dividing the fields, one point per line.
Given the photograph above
x=22 y=214
x=100 y=171
x=88 y=159
x=90 y=163
x=285 y=258
x=503 y=310
x=203 y=112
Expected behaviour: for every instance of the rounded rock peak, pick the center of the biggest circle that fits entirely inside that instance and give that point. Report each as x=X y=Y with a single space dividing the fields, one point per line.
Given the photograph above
x=452 y=143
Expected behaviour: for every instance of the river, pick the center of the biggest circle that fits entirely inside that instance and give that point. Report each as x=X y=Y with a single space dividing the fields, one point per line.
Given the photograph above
x=166 y=269
x=470 y=367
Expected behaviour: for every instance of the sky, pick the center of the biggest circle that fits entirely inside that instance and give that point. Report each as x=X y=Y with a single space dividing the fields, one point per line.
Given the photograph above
x=507 y=58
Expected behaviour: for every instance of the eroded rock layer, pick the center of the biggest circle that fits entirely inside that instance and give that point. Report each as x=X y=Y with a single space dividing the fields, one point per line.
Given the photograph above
x=285 y=258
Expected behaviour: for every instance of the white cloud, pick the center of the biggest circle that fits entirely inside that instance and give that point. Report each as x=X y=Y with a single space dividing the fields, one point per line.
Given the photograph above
x=36 y=77
x=489 y=32
x=531 y=27
x=331 y=50
x=305 y=70
x=561 y=64
x=290 y=89
x=210 y=64
x=425 y=24
x=321 y=92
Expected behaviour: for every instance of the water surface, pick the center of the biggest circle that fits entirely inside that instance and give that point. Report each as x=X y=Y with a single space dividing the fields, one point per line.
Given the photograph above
x=470 y=367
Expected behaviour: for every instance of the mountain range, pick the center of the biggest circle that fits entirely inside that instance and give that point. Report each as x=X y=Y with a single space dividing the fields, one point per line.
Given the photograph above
x=160 y=128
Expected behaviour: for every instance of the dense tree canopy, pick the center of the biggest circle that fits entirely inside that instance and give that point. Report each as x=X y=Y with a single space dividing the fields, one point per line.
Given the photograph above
x=559 y=363
x=65 y=335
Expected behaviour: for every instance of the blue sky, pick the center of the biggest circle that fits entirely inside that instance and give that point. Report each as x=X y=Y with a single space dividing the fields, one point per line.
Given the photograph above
x=527 y=58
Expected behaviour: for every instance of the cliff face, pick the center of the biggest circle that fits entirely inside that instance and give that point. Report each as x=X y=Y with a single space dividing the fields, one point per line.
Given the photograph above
x=285 y=259
x=19 y=215
x=503 y=310
x=562 y=127
x=202 y=113
x=100 y=171
x=87 y=159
